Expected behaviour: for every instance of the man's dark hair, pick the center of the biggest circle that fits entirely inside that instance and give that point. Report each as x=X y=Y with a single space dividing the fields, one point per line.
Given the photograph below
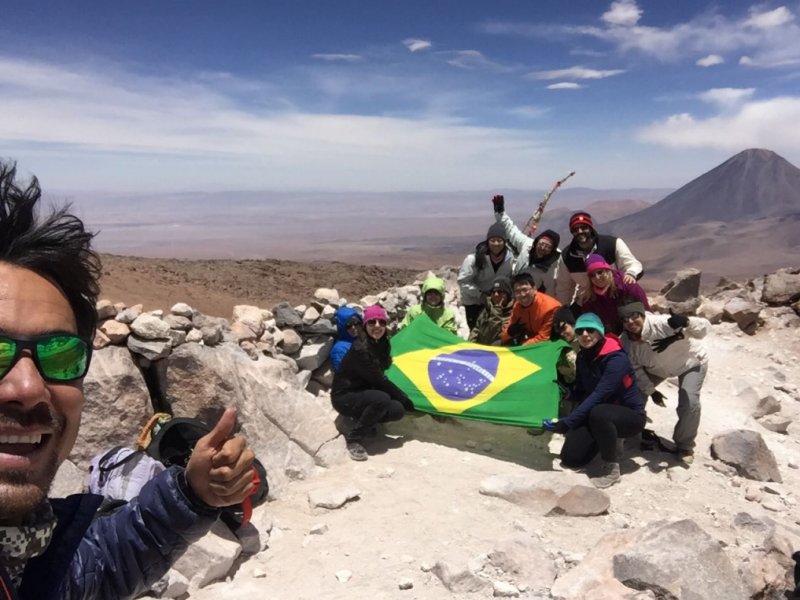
x=523 y=277
x=56 y=247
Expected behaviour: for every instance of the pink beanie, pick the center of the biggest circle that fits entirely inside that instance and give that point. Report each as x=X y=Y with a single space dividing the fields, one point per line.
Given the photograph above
x=595 y=262
x=376 y=311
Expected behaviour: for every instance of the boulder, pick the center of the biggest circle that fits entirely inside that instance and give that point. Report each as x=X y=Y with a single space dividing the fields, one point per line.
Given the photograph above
x=583 y=501
x=776 y=423
x=242 y=332
x=152 y=349
x=286 y=316
x=744 y=313
x=321 y=327
x=781 y=287
x=250 y=316
x=746 y=451
x=685 y=285
x=100 y=341
x=115 y=331
x=312 y=355
x=105 y=310
x=209 y=558
x=536 y=496
x=766 y=405
x=712 y=310
x=310 y=316
x=525 y=563
x=178 y=322
x=130 y=314
x=677 y=559
x=292 y=342
x=117 y=405
x=181 y=309
x=150 y=327
x=461 y=579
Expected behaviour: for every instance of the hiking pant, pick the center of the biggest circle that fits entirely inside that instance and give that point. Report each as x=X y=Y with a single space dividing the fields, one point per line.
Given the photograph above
x=368 y=408
x=689 y=384
x=473 y=311
x=605 y=424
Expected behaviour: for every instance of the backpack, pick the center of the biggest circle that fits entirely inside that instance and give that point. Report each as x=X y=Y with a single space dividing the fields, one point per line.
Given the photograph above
x=120 y=473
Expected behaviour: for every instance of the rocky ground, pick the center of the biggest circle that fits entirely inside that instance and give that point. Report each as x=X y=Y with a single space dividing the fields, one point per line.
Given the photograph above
x=418 y=515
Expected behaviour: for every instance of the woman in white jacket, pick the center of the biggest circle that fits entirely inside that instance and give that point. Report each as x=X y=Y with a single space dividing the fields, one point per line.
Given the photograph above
x=491 y=259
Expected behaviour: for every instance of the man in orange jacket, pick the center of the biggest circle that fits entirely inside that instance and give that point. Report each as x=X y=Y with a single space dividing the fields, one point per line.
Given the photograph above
x=532 y=314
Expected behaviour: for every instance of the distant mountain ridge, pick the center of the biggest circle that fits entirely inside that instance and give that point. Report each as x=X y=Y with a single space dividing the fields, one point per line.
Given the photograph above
x=753 y=184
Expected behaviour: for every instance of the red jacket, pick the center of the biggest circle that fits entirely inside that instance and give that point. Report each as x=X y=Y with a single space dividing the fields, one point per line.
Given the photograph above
x=537 y=318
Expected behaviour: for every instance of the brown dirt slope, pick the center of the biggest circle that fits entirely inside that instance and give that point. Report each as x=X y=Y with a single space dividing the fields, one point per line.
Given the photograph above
x=214 y=287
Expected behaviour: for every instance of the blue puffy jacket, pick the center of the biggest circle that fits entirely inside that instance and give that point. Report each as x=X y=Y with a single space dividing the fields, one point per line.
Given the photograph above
x=116 y=556
x=343 y=340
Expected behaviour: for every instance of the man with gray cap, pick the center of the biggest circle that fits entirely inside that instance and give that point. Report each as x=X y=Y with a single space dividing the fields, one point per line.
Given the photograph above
x=662 y=346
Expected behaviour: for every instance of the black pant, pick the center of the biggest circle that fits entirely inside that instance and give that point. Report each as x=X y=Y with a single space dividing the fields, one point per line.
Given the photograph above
x=473 y=312
x=368 y=408
x=605 y=424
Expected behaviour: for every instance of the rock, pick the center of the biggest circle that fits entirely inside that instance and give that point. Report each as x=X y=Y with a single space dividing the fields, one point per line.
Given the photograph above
x=344 y=575
x=172 y=585
x=310 y=315
x=181 y=309
x=312 y=355
x=195 y=335
x=746 y=451
x=525 y=563
x=212 y=328
x=115 y=331
x=321 y=327
x=251 y=317
x=744 y=313
x=677 y=559
x=151 y=349
x=177 y=337
x=286 y=316
x=713 y=310
x=685 y=285
x=781 y=287
x=100 y=341
x=116 y=408
x=130 y=314
x=324 y=374
x=526 y=493
x=211 y=335
x=105 y=310
x=767 y=405
x=318 y=529
x=242 y=332
x=69 y=480
x=178 y=322
x=149 y=327
x=459 y=580
x=583 y=501
x=328 y=312
x=292 y=342
x=405 y=584
x=776 y=423
x=501 y=589
x=327 y=295
x=332 y=497
x=209 y=558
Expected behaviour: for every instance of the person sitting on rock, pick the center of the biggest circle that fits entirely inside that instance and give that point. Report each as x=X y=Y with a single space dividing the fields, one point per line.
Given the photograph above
x=53 y=548
x=496 y=315
x=539 y=256
x=532 y=314
x=348 y=322
x=360 y=387
x=433 y=305
x=609 y=290
x=609 y=404
x=491 y=259
x=662 y=346
x=572 y=276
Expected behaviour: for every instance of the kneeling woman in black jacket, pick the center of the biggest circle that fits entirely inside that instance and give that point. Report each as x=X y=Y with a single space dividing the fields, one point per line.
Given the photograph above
x=361 y=389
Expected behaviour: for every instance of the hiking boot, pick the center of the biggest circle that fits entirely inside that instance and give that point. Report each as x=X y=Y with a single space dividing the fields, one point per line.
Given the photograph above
x=608 y=476
x=357 y=451
x=686 y=456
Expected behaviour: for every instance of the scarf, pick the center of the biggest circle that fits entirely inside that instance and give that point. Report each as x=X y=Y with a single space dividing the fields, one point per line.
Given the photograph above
x=21 y=543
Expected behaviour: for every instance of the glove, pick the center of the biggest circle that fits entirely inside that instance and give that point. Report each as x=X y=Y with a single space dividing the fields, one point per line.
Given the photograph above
x=658 y=398
x=516 y=329
x=499 y=203
x=554 y=425
x=677 y=321
x=664 y=343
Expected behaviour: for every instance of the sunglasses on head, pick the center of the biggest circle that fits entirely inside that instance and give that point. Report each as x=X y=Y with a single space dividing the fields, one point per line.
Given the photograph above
x=58 y=357
x=582 y=330
x=374 y=322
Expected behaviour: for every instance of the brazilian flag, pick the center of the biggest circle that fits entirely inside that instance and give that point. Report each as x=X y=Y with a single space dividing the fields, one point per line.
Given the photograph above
x=443 y=374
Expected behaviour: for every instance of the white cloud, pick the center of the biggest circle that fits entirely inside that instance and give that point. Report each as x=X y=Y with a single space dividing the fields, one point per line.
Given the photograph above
x=529 y=112
x=415 y=44
x=192 y=134
x=564 y=85
x=710 y=60
x=473 y=59
x=338 y=57
x=727 y=96
x=767 y=20
x=576 y=72
x=622 y=13
x=769 y=124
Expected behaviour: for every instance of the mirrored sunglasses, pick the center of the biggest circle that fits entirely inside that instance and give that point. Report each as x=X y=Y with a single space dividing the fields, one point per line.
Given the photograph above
x=374 y=322
x=58 y=357
x=582 y=330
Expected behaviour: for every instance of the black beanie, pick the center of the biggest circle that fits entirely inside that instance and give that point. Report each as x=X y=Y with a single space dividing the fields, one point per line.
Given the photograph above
x=504 y=285
x=562 y=315
x=549 y=233
x=496 y=231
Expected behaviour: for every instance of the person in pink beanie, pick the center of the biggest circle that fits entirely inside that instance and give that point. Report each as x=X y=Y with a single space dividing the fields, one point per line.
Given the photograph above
x=609 y=291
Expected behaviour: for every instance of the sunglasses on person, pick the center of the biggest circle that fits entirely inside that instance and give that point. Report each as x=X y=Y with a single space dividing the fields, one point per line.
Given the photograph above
x=374 y=322
x=351 y=324
x=58 y=357
x=630 y=317
x=599 y=273
x=582 y=330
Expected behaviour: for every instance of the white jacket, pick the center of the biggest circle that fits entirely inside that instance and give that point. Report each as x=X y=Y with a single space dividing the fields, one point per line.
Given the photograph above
x=678 y=358
x=474 y=284
x=545 y=279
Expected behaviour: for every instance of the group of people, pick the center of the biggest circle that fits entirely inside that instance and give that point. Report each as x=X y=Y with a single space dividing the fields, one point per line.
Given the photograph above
x=519 y=290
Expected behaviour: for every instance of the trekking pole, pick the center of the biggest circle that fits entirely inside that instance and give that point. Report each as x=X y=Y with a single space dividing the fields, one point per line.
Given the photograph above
x=533 y=222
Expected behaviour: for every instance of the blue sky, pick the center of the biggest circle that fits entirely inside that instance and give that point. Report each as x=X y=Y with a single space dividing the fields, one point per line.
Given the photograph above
x=391 y=96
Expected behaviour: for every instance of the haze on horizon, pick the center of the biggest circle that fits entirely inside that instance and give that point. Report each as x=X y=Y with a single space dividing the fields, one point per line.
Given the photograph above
x=419 y=97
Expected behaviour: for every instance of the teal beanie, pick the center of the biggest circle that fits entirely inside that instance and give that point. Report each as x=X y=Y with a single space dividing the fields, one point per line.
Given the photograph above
x=590 y=321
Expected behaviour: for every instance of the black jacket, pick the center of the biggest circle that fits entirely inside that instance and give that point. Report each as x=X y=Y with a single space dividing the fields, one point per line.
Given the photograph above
x=362 y=368
x=575 y=258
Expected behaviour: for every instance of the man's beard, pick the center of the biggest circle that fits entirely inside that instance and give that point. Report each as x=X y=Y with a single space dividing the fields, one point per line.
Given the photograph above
x=22 y=491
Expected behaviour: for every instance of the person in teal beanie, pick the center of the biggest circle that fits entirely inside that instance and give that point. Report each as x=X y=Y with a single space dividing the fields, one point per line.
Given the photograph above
x=609 y=403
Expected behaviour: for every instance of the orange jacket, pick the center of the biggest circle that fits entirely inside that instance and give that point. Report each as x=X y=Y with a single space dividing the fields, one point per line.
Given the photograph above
x=536 y=318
